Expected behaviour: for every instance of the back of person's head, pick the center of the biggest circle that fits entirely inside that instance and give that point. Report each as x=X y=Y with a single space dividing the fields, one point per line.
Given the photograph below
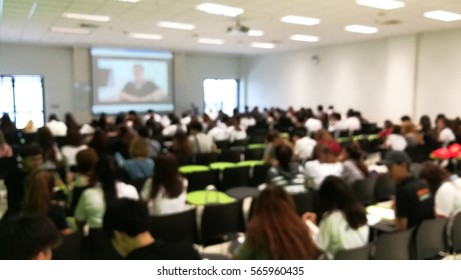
x=323 y=135
x=28 y=237
x=107 y=172
x=433 y=175
x=195 y=126
x=31 y=156
x=388 y=124
x=323 y=154
x=405 y=118
x=39 y=187
x=425 y=123
x=74 y=138
x=86 y=160
x=139 y=148
x=336 y=116
x=181 y=144
x=5 y=121
x=126 y=215
x=272 y=136
x=334 y=194
x=276 y=228
x=53 y=117
x=354 y=151
x=166 y=176
x=284 y=154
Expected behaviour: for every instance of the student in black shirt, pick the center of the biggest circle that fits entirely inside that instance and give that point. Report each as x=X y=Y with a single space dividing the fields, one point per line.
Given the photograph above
x=413 y=200
x=126 y=223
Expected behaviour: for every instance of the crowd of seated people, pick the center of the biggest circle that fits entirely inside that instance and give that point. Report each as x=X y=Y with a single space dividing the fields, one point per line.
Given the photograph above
x=95 y=169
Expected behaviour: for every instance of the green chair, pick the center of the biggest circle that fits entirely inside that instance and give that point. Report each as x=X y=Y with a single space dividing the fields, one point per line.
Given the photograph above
x=204 y=197
x=222 y=165
x=250 y=163
x=256 y=146
x=193 y=168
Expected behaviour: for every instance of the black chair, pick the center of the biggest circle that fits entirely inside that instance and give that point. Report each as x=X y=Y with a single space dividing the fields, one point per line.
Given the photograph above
x=234 y=177
x=254 y=154
x=230 y=155
x=362 y=253
x=364 y=190
x=206 y=158
x=259 y=174
x=221 y=223
x=99 y=247
x=384 y=188
x=430 y=239
x=455 y=233
x=222 y=145
x=70 y=248
x=6 y=166
x=200 y=180
x=175 y=228
x=304 y=202
x=60 y=140
x=394 y=246
x=240 y=143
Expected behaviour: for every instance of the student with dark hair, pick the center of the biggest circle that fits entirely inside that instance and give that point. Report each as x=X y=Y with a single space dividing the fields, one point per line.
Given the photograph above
x=303 y=145
x=413 y=200
x=56 y=127
x=275 y=231
x=5 y=149
x=100 y=143
x=344 y=224
x=286 y=172
x=201 y=142
x=354 y=167
x=445 y=134
x=181 y=147
x=52 y=157
x=324 y=163
x=15 y=181
x=9 y=129
x=28 y=237
x=73 y=146
x=92 y=204
x=126 y=223
x=166 y=192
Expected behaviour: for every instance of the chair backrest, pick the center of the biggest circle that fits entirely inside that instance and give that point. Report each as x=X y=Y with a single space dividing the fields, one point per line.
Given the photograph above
x=221 y=223
x=6 y=165
x=364 y=190
x=222 y=144
x=304 y=202
x=71 y=247
x=254 y=154
x=455 y=233
x=259 y=174
x=200 y=180
x=230 y=155
x=234 y=177
x=137 y=183
x=394 y=246
x=384 y=188
x=175 y=228
x=362 y=253
x=430 y=239
x=206 y=158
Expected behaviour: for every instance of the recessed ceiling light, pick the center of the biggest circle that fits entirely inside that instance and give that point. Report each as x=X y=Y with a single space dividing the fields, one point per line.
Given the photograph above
x=176 y=25
x=88 y=17
x=304 y=38
x=442 y=15
x=300 y=20
x=79 y=31
x=130 y=1
x=361 y=29
x=263 y=45
x=210 y=41
x=255 y=33
x=147 y=36
x=218 y=9
x=381 y=4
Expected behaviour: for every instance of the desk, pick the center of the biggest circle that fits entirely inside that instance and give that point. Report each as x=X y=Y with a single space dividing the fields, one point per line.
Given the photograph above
x=381 y=218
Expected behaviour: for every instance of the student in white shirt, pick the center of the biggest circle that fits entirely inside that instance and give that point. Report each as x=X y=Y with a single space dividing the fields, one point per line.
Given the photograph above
x=323 y=165
x=344 y=223
x=444 y=132
x=166 y=192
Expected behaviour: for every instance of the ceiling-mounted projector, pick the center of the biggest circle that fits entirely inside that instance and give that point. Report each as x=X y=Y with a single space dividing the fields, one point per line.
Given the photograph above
x=237 y=29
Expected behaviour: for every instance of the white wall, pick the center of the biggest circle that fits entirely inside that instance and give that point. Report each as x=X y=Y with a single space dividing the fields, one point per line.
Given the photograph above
x=367 y=76
x=54 y=63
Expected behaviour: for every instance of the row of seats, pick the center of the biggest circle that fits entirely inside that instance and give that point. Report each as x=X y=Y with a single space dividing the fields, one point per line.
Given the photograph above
x=432 y=239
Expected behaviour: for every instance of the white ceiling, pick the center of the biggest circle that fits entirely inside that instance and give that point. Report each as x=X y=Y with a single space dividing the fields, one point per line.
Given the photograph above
x=16 y=25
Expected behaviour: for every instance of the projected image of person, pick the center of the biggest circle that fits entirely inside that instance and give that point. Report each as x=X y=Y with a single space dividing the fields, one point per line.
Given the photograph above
x=141 y=90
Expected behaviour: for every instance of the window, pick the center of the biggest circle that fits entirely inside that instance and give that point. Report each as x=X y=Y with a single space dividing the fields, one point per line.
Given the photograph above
x=221 y=94
x=22 y=98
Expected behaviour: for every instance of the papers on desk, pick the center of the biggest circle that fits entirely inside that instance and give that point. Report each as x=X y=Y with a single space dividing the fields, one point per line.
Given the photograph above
x=373 y=220
x=382 y=210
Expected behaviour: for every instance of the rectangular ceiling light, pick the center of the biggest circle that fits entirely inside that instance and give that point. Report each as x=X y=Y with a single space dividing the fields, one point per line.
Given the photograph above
x=218 y=9
x=146 y=36
x=88 y=17
x=442 y=15
x=176 y=25
x=304 y=38
x=361 y=29
x=210 y=41
x=255 y=33
x=381 y=4
x=79 y=31
x=263 y=45
x=300 y=20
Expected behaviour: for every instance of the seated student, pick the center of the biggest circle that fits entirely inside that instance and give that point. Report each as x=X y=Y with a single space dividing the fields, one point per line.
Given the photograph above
x=395 y=141
x=354 y=167
x=304 y=145
x=166 y=192
x=344 y=224
x=139 y=166
x=73 y=146
x=324 y=164
x=5 y=148
x=445 y=134
x=286 y=172
x=201 y=142
x=28 y=237
x=444 y=187
x=413 y=200
x=275 y=231
x=126 y=223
